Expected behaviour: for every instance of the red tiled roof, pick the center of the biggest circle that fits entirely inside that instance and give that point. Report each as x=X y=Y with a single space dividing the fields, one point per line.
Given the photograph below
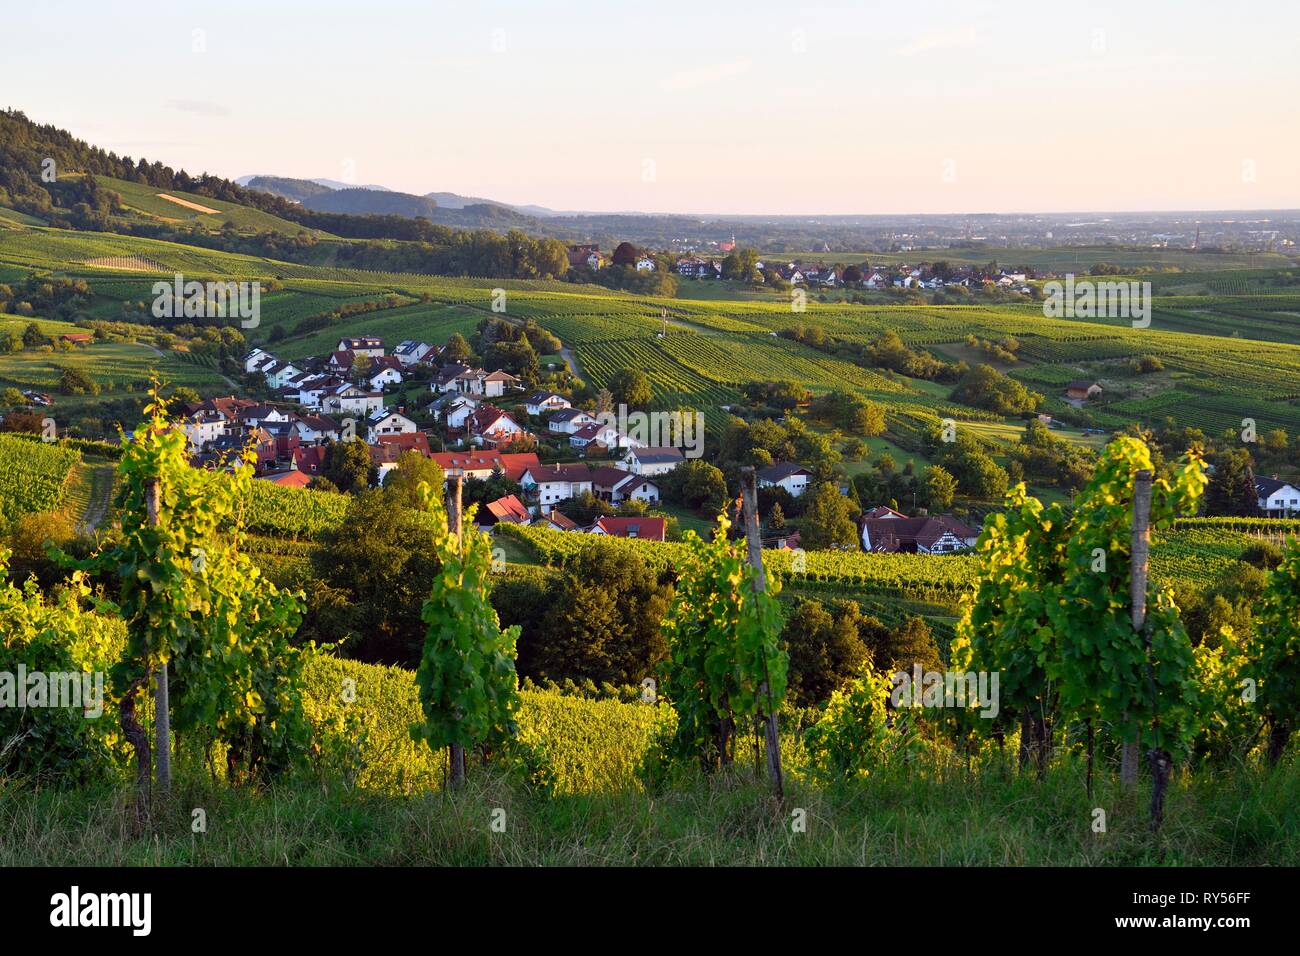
x=509 y=509
x=650 y=529
x=409 y=441
x=564 y=472
x=563 y=522
x=310 y=459
x=514 y=465
x=290 y=479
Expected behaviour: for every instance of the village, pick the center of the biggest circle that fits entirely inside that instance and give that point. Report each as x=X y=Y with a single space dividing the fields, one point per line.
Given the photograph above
x=544 y=454
x=691 y=265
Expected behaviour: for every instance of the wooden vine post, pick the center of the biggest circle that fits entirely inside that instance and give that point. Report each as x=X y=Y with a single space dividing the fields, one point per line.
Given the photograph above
x=162 y=702
x=456 y=752
x=754 y=545
x=1140 y=559
x=1160 y=761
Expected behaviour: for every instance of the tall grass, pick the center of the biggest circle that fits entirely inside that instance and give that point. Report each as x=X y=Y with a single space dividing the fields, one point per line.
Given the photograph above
x=1248 y=817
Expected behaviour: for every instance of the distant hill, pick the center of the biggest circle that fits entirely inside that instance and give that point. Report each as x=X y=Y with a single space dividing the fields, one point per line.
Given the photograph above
x=473 y=214
x=457 y=201
x=335 y=184
x=299 y=189
x=295 y=189
x=443 y=208
x=359 y=202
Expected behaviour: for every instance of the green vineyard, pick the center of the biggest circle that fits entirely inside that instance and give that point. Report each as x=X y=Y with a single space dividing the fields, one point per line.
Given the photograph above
x=33 y=475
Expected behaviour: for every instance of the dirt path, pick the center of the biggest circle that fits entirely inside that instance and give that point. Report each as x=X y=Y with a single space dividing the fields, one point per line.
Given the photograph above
x=206 y=210
x=101 y=497
x=230 y=383
x=569 y=356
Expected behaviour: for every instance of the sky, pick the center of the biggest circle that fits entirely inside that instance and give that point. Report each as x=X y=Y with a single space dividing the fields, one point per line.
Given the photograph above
x=715 y=107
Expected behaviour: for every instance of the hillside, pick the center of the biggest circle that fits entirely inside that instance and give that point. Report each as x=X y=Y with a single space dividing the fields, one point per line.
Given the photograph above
x=1212 y=375
x=368 y=202
x=178 y=206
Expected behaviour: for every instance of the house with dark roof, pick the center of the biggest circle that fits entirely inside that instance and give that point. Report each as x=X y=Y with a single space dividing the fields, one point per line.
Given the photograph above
x=490 y=426
x=313 y=429
x=1082 y=390
x=551 y=484
x=362 y=344
x=541 y=402
x=1277 y=498
x=928 y=534
x=653 y=460
x=568 y=420
x=472 y=381
x=411 y=352
x=616 y=485
x=384 y=422
x=793 y=478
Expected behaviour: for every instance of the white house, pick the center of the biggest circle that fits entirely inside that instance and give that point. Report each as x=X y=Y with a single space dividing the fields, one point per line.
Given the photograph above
x=279 y=374
x=652 y=460
x=635 y=487
x=489 y=425
x=793 y=478
x=386 y=375
x=362 y=345
x=606 y=435
x=411 y=352
x=312 y=429
x=351 y=399
x=455 y=410
x=1276 y=498
x=645 y=264
x=569 y=420
x=494 y=384
x=543 y=402
x=311 y=389
x=384 y=422
x=204 y=426
x=555 y=483
x=471 y=381
x=250 y=416
x=255 y=359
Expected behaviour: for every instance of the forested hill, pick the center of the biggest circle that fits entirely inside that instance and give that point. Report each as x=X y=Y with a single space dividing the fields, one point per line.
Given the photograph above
x=25 y=146
x=361 y=202
x=354 y=213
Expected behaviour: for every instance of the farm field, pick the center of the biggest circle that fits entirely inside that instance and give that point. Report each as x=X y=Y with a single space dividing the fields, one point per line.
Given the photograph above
x=151 y=203
x=118 y=368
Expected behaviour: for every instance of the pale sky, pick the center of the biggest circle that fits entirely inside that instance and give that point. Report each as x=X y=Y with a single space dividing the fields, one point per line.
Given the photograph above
x=693 y=107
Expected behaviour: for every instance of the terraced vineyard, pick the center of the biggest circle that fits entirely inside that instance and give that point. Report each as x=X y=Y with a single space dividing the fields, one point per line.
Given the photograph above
x=292 y=512
x=33 y=475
